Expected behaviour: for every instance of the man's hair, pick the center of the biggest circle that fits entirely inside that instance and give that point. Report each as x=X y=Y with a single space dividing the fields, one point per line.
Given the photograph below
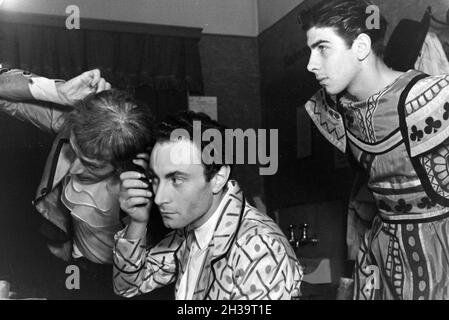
x=348 y=18
x=111 y=126
x=184 y=121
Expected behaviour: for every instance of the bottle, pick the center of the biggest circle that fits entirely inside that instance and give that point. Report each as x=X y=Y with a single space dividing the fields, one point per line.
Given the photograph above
x=292 y=236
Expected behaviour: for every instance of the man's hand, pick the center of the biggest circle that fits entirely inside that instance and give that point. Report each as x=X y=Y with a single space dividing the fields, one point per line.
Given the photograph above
x=81 y=86
x=143 y=160
x=135 y=200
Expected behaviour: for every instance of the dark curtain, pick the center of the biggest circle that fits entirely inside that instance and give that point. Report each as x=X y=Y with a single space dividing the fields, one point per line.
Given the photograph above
x=160 y=70
x=126 y=59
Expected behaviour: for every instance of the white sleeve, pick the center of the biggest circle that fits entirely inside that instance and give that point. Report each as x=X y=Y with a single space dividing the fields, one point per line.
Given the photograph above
x=45 y=90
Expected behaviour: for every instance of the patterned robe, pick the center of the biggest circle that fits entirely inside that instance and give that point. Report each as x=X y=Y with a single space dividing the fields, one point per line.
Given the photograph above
x=399 y=135
x=248 y=258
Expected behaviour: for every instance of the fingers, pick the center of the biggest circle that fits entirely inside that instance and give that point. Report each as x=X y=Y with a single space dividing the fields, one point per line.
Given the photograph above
x=130 y=175
x=96 y=81
x=103 y=85
x=142 y=160
x=134 y=202
x=127 y=195
x=134 y=184
x=143 y=155
x=141 y=163
x=133 y=205
x=134 y=193
x=95 y=76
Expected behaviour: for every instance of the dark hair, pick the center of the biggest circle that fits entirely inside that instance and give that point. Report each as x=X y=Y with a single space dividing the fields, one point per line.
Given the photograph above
x=185 y=120
x=348 y=18
x=111 y=126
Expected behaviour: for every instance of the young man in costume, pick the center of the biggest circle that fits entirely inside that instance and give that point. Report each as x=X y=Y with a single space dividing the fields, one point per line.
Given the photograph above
x=396 y=125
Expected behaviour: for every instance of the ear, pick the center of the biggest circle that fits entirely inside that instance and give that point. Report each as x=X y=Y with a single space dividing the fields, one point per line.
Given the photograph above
x=362 y=46
x=220 y=179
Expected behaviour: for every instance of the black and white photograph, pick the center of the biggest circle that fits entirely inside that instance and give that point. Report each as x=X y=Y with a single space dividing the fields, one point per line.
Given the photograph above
x=244 y=150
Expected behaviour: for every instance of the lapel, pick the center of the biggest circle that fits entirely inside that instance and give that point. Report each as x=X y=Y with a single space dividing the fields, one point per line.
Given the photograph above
x=222 y=240
x=182 y=256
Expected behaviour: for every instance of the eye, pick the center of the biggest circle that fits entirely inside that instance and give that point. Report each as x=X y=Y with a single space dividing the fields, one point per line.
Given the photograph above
x=92 y=167
x=322 y=48
x=177 y=181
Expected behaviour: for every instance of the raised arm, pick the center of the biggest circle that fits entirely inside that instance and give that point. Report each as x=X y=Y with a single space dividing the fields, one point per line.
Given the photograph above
x=138 y=269
x=22 y=85
x=18 y=88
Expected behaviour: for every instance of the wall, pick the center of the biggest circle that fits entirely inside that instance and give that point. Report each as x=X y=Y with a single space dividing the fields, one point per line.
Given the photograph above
x=231 y=72
x=286 y=85
x=330 y=234
x=232 y=17
x=315 y=189
x=271 y=11
x=312 y=190
x=394 y=11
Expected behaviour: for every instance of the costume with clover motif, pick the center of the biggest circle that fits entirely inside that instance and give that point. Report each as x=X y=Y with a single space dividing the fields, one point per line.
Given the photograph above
x=400 y=137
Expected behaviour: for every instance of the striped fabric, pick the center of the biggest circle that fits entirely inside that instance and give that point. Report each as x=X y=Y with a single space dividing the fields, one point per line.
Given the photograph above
x=248 y=258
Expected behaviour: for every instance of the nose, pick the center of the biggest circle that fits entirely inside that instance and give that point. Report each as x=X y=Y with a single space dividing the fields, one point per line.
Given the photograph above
x=77 y=167
x=312 y=66
x=161 y=195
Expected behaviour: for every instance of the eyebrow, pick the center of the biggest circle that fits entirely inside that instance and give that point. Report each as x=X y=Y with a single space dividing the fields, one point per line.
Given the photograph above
x=317 y=43
x=175 y=173
x=169 y=175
